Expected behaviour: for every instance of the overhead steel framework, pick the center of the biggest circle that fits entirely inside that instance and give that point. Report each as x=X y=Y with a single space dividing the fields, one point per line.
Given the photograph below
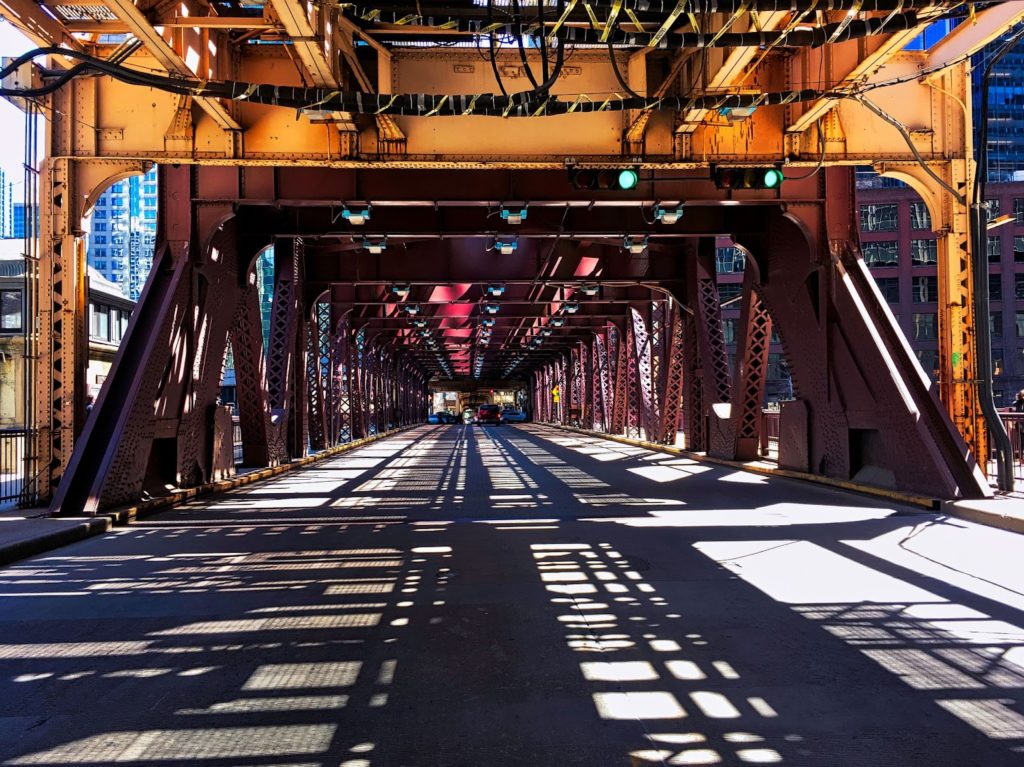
x=408 y=164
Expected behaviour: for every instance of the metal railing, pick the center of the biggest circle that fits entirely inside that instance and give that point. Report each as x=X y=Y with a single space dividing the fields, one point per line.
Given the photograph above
x=13 y=447
x=1015 y=428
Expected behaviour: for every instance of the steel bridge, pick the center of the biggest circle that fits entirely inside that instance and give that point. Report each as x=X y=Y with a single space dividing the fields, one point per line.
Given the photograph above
x=420 y=172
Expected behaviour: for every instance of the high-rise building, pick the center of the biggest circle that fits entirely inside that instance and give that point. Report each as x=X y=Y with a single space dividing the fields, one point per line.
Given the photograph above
x=6 y=206
x=19 y=220
x=123 y=232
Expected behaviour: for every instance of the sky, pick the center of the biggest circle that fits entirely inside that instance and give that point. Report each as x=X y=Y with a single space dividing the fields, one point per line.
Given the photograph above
x=12 y=119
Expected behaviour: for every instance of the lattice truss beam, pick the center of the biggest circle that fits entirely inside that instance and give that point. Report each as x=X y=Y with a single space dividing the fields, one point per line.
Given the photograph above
x=656 y=82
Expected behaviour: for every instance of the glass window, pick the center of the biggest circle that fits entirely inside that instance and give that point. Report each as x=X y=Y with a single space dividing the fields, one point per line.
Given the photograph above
x=1020 y=324
x=992 y=208
x=1018 y=210
x=10 y=310
x=100 y=239
x=995 y=324
x=99 y=325
x=997 y=362
x=884 y=253
x=925 y=290
x=919 y=218
x=878 y=218
x=99 y=213
x=1018 y=286
x=924 y=327
x=995 y=249
x=995 y=287
x=729 y=331
x=890 y=288
x=777 y=367
x=729 y=290
x=924 y=252
x=729 y=260
x=1018 y=248
x=929 y=359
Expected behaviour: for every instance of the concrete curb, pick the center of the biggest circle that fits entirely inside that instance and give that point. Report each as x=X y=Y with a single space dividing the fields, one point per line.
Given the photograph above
x=62 y=536
x=987 y=512
x=125 y=515
x=931 y=504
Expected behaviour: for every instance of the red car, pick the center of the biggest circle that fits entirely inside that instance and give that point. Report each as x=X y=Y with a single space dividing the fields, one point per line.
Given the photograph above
x=489 y=414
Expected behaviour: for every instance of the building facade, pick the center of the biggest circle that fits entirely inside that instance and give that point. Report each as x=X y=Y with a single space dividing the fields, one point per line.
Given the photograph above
x=123 y=232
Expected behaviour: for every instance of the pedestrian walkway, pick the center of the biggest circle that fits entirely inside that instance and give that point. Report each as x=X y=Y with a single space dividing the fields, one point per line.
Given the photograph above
x=466 y=596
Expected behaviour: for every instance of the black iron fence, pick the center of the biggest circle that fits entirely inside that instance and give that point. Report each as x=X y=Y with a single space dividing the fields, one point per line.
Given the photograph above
x=14 y=445
x=1015 y=428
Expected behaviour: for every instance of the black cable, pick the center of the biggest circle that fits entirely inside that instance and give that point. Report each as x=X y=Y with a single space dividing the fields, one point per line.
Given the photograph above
x=979 y=264
x=543 y=40
x=550 y=80
x=618 y=74
x=494 y=55
x=517 y=30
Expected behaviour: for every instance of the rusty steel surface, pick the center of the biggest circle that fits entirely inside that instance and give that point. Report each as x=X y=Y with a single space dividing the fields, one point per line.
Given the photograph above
x=278 y=125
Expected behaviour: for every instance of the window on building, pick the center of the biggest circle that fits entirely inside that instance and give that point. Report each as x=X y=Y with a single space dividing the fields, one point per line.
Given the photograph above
x=100 y=239
x=729 y=260
x=1018 y=286
x=992 y=208
x=1020 y=324
x=919 y=217
x=995 y=324
x=99 y=213
x=777 y=367
x=1018 y=248
x=997 y=362
x=99 y=322
x=995 y=287
x=729 y=331
x=99 y=227
x=10 y=310
x=884 y=253
x=924 y=252
x=149 y=214
x=729 y=290
x=890 y=289
x=878 y=218
x=924 y=327
x=101 y=265
x=929 y=359
x=925 y=290
x=995 y=249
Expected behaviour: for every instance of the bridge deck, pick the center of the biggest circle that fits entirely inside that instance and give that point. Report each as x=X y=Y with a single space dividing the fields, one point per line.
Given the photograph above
x=519 y=596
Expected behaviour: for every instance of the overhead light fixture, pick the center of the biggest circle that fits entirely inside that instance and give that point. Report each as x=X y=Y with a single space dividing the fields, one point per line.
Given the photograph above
x=590 y=288
x=412 y=309
x=736 y=114
x=506 y=245
x=401 y=290
x=556 y=322
x=570 y=307
x=488 y=322
x=492 y=308
x=635 y=244
x=425 y=333
x=375 y=245
x=495 y=291
x=419 y=323
x=513 y=214
x=668 y=214
x=546 y=331
x=356 y=215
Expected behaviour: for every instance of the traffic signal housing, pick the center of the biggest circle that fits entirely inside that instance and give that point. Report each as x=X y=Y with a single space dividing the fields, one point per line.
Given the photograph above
x=611 y=179
x=726 y=177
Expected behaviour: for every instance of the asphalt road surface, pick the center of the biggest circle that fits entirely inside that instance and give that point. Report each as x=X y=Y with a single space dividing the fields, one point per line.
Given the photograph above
x=519 y=596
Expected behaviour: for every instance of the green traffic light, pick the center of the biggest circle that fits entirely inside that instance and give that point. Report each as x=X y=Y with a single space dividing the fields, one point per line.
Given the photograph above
x=628 y=178
x=772 y=178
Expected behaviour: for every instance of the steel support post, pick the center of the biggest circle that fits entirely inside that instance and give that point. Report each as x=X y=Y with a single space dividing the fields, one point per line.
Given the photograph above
x=250 y=377
x=672 y=393
x=618 y=354
x=752 y=365
x=644 y=374
x=716 y=395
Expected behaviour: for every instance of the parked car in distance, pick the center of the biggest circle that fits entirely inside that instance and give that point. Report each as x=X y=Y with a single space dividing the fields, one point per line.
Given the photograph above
x=468 y=415
x=434 y=418
x=442 y=416
x=513 y=415
x=489 y=414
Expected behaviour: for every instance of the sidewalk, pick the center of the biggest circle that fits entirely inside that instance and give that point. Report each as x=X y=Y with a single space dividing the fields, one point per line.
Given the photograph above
x=23 y=533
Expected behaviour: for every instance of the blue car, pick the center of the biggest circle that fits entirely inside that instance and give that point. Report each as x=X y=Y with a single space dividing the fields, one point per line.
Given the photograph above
x=513 y=415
